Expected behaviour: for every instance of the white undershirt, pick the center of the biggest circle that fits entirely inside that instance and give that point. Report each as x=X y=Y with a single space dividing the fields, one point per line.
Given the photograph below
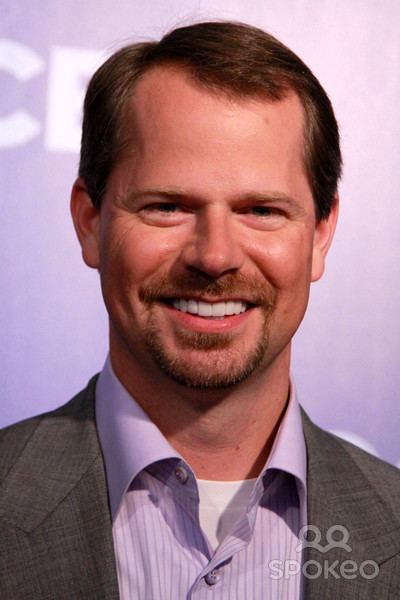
x=221 y=505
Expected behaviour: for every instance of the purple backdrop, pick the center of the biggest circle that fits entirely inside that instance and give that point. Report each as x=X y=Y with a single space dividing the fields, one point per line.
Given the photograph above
x=346 y=356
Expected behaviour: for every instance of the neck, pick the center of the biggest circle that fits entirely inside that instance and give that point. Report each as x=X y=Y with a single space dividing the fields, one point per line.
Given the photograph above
x=224 y=435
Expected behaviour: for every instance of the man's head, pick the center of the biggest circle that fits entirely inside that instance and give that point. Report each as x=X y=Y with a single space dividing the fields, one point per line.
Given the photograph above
x=208 y=223
x=229 y=59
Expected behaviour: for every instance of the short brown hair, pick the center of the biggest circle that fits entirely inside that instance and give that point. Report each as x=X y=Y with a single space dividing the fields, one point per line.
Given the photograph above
x=234 y=59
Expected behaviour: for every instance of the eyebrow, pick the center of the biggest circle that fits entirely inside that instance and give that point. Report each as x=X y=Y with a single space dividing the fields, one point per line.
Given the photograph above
x=258 y=198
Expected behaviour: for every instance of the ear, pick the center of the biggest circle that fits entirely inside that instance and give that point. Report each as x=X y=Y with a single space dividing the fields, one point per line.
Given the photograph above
x=86 y=220
x=323 y=237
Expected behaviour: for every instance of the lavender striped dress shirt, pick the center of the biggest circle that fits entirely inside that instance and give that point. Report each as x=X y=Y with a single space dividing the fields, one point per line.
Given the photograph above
x=161 y=552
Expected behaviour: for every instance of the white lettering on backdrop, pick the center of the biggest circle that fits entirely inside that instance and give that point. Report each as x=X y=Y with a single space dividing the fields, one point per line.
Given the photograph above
x=18 y=127
x=69 y=70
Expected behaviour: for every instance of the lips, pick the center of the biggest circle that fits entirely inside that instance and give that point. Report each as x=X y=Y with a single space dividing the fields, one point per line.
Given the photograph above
x=210 y=309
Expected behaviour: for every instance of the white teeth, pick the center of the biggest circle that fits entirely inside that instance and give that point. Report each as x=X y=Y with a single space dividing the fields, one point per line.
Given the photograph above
x=230 y=307
x=205 y=309
x=193 y=307
x=210 y=309
x=218 y=309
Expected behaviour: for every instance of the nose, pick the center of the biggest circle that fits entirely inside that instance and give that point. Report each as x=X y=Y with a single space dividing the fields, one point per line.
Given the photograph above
x=216 y=246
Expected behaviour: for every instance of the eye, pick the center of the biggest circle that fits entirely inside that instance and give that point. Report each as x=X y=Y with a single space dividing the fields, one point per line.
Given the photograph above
x=261 y=216
x=262 y=211
x=164 y=207
x=164 y=214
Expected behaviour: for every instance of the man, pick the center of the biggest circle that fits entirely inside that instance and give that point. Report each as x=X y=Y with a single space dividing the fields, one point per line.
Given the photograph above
x=207 y=200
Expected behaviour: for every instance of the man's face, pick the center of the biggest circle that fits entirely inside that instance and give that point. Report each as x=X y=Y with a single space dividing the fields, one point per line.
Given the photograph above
x=207 y=240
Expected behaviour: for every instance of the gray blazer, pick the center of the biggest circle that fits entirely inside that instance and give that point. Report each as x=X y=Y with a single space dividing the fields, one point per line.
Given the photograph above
x=55 y=527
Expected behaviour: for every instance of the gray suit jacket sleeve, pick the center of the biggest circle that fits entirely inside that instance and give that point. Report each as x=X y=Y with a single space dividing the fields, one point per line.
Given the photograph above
x=55 y=526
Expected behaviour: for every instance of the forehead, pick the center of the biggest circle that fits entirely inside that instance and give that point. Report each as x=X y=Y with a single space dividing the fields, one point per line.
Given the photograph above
x=169 y=95
x=181 y=134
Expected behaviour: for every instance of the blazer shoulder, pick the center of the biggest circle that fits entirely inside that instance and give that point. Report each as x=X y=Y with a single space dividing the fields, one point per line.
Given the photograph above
x=381 y=474
x=55 y=522
x=14 y=438
x=345 y=456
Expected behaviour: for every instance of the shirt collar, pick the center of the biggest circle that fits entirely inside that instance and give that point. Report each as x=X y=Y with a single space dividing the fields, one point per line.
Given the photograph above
x=131 y=442
x=289 y=452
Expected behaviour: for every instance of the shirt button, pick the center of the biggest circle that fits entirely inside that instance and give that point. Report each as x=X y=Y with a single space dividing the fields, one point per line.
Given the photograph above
x=212 y=577
x=181 y=474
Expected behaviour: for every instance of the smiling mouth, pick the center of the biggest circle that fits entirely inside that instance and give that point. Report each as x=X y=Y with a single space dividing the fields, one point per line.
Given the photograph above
x=216 y=310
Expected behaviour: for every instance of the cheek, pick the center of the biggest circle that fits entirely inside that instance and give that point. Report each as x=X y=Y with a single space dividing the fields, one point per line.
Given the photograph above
x=132 y=252
x=285 y=263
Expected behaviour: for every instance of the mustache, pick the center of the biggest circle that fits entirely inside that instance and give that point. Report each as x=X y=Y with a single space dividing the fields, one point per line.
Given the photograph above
x=193 y=285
